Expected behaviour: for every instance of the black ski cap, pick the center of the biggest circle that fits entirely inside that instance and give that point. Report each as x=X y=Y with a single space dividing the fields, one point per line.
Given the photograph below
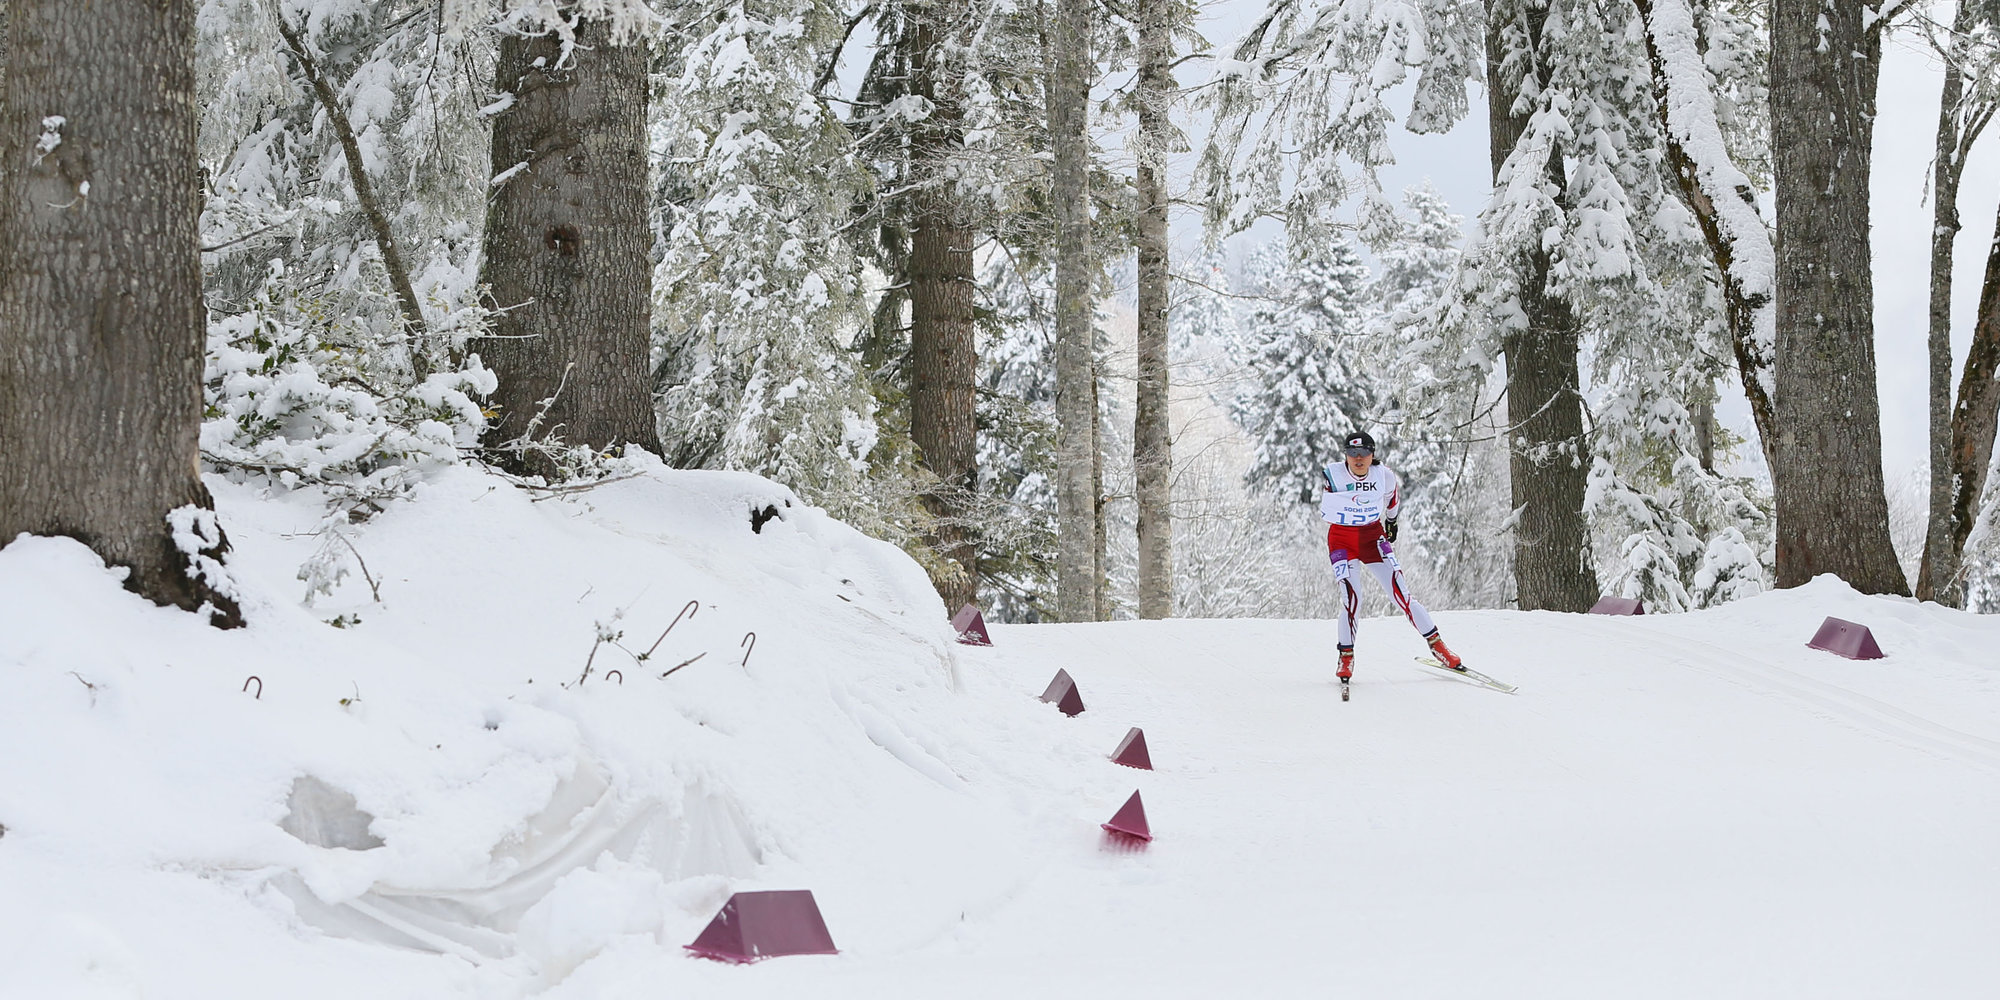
x=1359 y=443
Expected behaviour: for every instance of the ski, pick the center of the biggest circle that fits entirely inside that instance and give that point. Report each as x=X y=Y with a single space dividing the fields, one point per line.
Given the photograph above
x=1468 y=675
x=1343 y=689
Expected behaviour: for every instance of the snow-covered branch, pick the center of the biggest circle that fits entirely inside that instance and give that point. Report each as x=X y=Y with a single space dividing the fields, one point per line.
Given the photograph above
x=1721 y=194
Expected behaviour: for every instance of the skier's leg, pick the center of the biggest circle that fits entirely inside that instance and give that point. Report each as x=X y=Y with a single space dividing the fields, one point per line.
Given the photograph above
x=1390 y=577
x=1350 y=605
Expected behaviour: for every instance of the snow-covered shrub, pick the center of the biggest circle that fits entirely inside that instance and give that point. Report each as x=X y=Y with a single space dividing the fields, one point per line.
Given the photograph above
x=287 y=400
x=293 y=397
x=1729 y=570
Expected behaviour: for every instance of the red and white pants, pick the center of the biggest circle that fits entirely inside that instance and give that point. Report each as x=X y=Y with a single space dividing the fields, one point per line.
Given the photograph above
x=1355 y=548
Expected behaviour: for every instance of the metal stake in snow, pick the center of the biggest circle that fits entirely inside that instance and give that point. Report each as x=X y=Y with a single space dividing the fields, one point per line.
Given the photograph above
x=687 y=611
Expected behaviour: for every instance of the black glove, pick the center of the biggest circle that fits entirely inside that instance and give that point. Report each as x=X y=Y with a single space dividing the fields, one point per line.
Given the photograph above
x=1389 y=529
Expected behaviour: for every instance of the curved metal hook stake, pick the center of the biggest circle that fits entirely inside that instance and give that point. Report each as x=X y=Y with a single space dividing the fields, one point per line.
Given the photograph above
x=749 y=639
x=260 y=685
x=687 y=610
x=620 y=673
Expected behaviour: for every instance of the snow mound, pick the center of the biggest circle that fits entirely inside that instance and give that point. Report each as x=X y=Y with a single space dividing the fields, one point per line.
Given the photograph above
x=435 y=774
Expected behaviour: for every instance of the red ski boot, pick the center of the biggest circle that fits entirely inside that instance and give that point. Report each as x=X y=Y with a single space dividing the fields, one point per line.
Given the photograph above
x=1346 y=664
x=1444 y=654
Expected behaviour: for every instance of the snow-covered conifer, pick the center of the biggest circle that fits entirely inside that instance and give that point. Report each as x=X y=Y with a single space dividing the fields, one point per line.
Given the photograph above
x=758 y=293
x=1017 y=540
x=1302 y=352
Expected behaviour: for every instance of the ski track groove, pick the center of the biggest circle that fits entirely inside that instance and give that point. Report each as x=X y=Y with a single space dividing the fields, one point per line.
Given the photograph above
x=1863 y=712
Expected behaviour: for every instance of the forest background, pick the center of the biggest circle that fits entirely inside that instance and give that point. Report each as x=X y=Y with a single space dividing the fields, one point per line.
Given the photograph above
x=1071 y=301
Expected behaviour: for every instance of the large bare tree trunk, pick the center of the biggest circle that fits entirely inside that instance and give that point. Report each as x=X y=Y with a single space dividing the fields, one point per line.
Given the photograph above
x=1549 y=459
x=1826 y=472
x=943 y=359
x=1076 y=409
x=567 y=241
x=1152 y=439
x=100 y=295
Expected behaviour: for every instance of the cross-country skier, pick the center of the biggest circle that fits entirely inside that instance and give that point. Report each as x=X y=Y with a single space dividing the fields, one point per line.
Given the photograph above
x=1359 y=501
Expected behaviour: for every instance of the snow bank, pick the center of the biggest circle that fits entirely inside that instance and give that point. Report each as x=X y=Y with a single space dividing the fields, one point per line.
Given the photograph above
x=433 y=781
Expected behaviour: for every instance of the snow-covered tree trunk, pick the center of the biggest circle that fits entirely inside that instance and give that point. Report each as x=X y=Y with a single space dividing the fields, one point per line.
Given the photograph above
x=567 y=244
x=100 y=296
x=1549 y=466
x=1826 y=471
x=1721 y=196
x=1076 y=400
x=1152 y=440
x=943 y=361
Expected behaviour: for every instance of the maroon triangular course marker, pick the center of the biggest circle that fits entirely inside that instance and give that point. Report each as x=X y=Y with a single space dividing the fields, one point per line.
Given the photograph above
x=1845 y=638
x=1131 y=751
x=757 y=925
x=1062 y=693
x=1130 y=820
x=1618 y=606
x=971 y=626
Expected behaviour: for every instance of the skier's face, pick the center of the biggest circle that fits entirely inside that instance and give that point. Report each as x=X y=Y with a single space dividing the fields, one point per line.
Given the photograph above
x=1358 y=464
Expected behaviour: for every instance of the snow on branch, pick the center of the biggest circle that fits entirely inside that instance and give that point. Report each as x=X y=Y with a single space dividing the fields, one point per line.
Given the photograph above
x=1728 y=199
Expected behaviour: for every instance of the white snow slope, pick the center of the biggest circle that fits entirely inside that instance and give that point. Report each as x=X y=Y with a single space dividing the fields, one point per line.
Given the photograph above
x=1672 y=806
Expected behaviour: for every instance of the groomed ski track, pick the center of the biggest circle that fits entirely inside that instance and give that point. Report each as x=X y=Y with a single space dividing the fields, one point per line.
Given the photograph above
x=1672 y=806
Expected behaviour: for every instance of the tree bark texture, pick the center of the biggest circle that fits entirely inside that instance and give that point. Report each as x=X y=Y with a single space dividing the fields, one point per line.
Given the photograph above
x=3 y=51
x=1549 y=459
x=1100 y=549
x=1826 y=472
x=567 y=244
x=1940 y=561
x=1152 y=438
x=1975 y=416
x=100 y=290
x=943 y=358
x=1076 y=410
x=1959 y=126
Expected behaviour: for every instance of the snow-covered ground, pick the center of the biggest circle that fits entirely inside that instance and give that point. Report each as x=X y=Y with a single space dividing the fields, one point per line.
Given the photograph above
x=1672 y=806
